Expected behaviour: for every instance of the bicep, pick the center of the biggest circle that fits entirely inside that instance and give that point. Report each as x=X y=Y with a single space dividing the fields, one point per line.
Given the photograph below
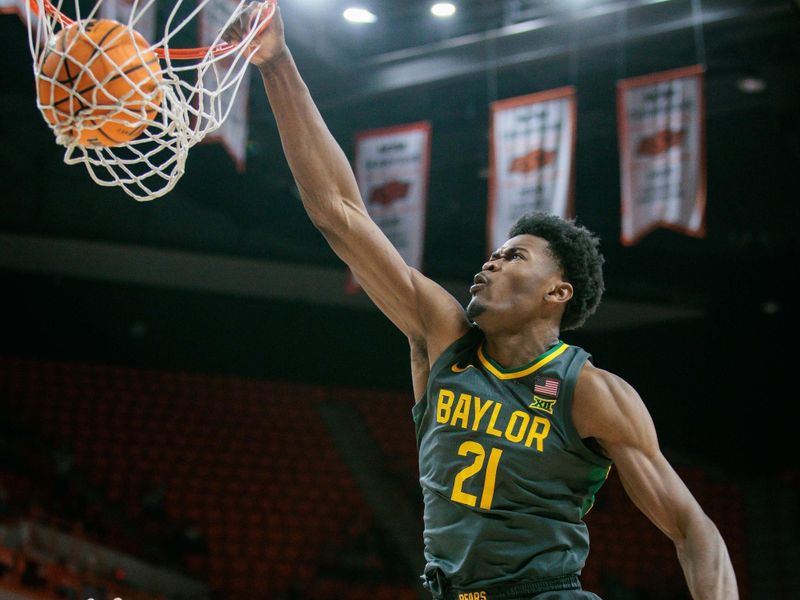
x=624 y=428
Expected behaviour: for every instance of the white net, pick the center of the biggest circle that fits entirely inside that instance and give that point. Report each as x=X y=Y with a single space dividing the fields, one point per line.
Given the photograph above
x=117 y=94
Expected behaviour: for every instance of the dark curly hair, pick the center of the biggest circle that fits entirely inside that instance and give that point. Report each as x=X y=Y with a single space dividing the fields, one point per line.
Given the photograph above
x=577 y=251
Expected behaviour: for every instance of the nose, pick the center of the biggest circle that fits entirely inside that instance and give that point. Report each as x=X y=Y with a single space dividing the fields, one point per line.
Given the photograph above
x=489 y=265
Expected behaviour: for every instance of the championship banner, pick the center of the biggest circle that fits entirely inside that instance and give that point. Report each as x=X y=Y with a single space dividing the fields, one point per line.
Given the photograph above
x=661 y=121
x=391 y=167
x=234 y=131
x=531 y=159
x=146 y=15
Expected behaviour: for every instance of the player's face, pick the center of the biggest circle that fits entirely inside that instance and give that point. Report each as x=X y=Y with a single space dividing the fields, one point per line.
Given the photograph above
x=514 y=284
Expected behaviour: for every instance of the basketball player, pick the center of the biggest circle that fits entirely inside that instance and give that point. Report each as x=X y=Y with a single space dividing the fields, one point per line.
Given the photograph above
x=517 y=430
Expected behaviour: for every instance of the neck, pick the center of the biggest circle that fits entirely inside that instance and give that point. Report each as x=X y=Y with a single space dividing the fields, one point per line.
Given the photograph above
x=511 y=350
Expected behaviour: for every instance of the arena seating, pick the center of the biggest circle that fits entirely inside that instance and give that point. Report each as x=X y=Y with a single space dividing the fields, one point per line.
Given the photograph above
x=32 y=569
x=248 y=463
x=250 y=466
x=625 y=545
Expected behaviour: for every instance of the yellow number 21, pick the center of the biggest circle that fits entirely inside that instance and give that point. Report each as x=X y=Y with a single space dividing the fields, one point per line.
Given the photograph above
x=461 y=496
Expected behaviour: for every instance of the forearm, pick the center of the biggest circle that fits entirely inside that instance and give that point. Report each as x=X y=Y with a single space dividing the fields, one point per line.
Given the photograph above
x=705 y=562
x=319 y=166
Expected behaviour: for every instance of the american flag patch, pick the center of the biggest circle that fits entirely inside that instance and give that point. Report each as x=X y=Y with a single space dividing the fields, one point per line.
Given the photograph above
x=546 y=386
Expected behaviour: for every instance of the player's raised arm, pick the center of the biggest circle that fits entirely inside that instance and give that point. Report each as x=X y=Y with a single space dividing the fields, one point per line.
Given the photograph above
x=610 y=410
x=420 y=308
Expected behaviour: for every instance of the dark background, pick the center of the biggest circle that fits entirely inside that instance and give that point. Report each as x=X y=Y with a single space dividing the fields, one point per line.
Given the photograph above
x=716 y=380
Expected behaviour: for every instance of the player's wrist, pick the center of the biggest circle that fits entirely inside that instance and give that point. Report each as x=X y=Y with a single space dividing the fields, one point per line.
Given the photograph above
x=272 y=63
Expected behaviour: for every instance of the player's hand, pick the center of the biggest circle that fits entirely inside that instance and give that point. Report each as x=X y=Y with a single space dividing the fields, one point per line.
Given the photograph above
x=268 y=45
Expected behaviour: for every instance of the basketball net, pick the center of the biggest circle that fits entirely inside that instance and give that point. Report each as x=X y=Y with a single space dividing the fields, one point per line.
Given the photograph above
x=197 y=89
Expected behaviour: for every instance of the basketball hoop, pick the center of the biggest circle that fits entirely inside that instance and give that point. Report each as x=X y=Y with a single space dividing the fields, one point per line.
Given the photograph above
x=188 y=94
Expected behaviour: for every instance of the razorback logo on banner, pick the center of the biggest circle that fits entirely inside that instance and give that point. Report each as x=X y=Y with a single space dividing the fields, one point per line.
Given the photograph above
x=662 y=153
x=532 y=161
x=531 y=164
x=391 y=167
x=660 y=142
x=391 y=192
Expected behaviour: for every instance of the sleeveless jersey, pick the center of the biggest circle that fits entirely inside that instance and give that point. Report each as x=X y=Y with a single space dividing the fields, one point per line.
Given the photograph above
x=505 y=476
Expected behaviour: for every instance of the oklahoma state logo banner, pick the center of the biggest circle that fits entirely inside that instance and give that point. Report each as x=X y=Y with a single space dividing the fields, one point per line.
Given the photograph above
x=391 y=167
x=531 y=159
x=661 y=125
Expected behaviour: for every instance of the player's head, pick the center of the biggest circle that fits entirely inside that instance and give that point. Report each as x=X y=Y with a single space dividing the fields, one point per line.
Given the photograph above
x=549 y=268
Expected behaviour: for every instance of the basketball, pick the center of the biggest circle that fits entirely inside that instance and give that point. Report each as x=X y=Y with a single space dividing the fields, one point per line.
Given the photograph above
x=99 y=83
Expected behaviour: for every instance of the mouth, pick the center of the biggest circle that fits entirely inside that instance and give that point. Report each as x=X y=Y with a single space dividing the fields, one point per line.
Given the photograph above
x=478 y=283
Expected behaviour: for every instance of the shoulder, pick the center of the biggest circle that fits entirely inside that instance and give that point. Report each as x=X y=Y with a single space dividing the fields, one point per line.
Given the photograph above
x=444 y=320
x=608 y=408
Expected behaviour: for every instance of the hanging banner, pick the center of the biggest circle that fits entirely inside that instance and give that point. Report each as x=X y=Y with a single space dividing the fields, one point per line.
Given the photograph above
x=12 y=6
x=142 y=20
x=391 y=167
x=234 y=131
x=531 y=159
x=661 y=121
x=23 y=9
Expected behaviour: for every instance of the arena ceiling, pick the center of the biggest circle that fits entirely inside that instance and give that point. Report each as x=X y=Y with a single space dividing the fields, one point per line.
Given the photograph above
x=409 y=66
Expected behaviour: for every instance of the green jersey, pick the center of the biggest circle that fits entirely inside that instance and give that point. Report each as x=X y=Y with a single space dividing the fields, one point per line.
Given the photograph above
x=505 y=476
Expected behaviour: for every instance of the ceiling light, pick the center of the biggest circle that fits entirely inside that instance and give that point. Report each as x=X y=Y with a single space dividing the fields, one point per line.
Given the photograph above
x=359 y=15
x=751 y=85
x=443 y=9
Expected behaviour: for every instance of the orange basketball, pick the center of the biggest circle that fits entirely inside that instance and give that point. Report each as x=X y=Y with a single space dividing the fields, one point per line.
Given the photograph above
x=99 y=85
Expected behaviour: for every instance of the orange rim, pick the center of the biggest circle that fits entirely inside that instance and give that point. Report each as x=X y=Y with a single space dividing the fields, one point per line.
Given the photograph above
x=171 y=53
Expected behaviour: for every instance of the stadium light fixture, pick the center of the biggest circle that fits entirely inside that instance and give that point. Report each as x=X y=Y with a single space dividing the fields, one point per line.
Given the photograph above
x=359 y=15
x=443 y=9
x=751 y=85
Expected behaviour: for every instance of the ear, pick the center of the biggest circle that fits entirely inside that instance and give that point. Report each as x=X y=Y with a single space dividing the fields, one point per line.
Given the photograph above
x=560 y=292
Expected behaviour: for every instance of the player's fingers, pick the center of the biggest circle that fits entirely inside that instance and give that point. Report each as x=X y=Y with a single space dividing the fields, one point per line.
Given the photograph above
x=233 y=34
x=239 y=26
